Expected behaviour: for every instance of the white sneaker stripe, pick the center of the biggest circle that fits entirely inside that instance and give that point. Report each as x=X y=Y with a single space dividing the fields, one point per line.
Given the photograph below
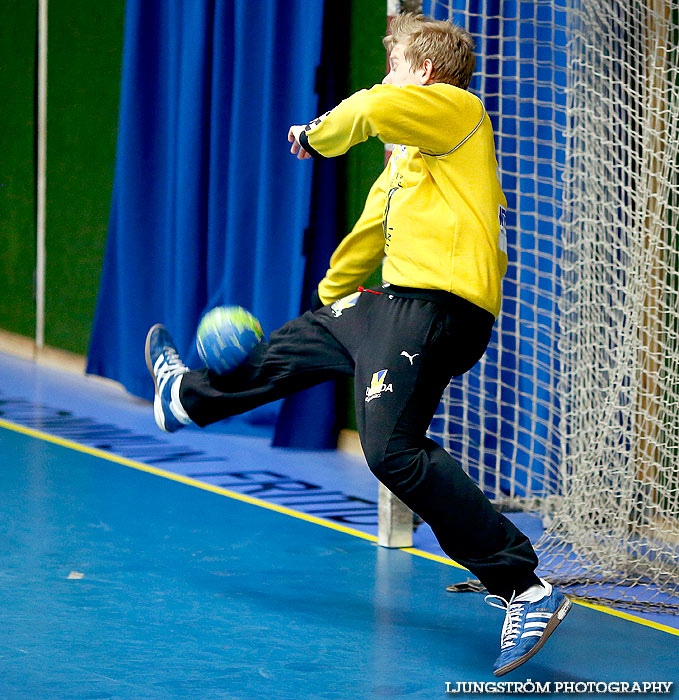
x=546 y=615
x=158 y=413
x=163 y=381
x=531 y=634
x=176 y=405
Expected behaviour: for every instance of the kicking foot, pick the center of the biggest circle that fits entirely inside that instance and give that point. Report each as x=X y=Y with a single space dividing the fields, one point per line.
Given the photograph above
x=528 y=624
x=167 y=370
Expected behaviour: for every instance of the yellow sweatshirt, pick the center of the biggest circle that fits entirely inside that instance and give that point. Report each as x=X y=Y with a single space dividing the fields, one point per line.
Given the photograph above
x=437 y=210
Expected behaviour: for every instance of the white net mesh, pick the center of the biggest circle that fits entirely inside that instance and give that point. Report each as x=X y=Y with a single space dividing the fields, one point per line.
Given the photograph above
x=574 y=411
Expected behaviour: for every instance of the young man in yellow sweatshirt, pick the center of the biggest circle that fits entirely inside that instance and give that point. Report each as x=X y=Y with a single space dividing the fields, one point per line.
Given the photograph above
x=435 y=216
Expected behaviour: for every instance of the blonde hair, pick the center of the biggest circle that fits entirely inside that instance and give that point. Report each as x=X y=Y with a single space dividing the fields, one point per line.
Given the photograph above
x=450 y=48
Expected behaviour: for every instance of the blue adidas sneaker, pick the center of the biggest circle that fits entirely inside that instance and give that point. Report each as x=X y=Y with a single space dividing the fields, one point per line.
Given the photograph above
x=166 y=368
x=527 y=626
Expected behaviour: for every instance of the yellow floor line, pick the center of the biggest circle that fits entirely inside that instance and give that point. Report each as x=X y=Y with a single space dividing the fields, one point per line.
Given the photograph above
x=93 y=451
x=626 y=616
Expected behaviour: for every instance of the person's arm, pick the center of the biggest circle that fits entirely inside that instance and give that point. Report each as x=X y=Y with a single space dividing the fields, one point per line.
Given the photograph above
x=434 y=118
x=360 y=252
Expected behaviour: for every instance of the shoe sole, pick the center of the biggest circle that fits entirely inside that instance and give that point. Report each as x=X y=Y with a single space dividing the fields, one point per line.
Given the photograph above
x=556 y=619
x=157 y=408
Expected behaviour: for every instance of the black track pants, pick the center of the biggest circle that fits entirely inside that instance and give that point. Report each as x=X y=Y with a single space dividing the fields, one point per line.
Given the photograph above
x=402 y=348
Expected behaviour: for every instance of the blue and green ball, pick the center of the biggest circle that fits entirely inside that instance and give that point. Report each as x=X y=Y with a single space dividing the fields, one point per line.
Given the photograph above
x=226 y=336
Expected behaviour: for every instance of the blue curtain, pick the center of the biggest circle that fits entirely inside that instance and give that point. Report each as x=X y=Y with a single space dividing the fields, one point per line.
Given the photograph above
x=535 y=36
x=209 y=207
x=307 y=419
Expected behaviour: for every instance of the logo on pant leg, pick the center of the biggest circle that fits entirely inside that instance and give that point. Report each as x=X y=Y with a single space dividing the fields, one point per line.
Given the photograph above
x=410 y=357
x=378 y=386
x=345 y=303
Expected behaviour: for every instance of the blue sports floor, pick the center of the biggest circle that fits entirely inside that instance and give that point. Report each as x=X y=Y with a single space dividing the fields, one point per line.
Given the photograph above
x=208 y=565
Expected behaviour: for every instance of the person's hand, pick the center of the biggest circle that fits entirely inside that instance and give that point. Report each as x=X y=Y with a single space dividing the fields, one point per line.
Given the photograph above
x=296 y=148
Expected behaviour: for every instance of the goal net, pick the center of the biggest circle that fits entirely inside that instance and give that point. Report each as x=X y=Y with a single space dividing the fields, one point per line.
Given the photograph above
x=574 y=411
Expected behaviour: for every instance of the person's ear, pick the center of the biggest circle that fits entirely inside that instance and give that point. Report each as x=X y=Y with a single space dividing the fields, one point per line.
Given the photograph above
x=426 y=71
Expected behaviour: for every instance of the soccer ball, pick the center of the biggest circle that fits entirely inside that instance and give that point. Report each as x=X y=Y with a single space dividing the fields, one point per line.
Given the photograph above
x=226 y=335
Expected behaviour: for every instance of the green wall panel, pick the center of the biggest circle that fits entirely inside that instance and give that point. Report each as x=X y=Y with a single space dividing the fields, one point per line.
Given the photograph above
x=85 y=54
x=367 y=65
x=17 y=166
